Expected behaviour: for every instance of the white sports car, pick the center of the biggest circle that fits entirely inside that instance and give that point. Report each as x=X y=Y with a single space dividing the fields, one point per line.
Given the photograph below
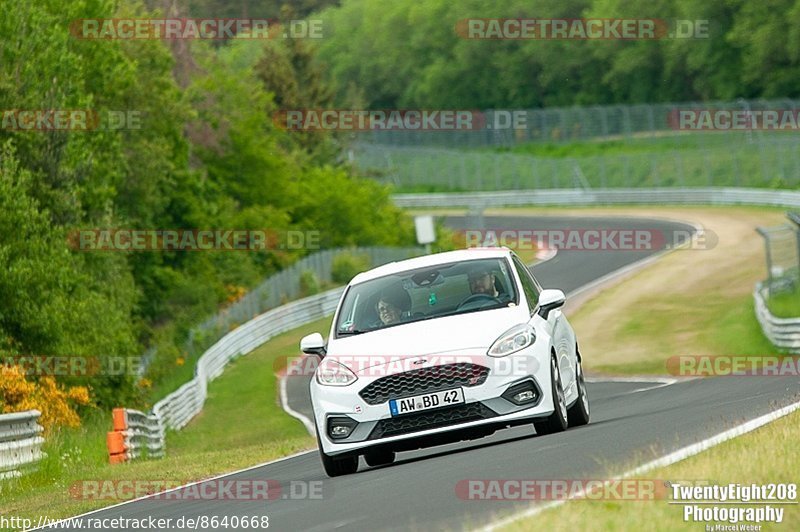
x=442 y=348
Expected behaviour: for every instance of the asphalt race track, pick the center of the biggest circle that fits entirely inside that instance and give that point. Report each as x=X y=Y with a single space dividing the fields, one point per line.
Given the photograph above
x=632 y=423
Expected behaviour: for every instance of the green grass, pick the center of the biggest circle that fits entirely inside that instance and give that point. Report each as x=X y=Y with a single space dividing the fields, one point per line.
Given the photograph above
x=662 y=142
x=770 y=161
x=785 y=305
x=764 y=456
x=730 y=325
x=241 y=425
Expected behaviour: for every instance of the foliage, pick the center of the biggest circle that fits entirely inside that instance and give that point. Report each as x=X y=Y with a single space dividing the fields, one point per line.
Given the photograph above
x=406 y=54
x=345 y=266
x=56 y=403
x=205 y=155
x=309 y=284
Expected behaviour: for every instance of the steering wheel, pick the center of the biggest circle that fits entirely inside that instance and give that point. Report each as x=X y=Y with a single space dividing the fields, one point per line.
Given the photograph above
x=478 y=297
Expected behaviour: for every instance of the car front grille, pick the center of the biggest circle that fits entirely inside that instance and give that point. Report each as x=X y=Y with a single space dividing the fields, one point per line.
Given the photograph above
x=432 y=379
x=441 y=417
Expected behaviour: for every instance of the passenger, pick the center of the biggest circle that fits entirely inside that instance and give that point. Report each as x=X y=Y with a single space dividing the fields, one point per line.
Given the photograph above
x=393 y=305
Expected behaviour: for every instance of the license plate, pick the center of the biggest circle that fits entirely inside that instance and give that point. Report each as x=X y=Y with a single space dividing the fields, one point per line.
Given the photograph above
x=427 y=401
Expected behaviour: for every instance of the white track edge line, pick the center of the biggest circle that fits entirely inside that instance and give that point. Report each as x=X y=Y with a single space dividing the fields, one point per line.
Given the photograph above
x=307 y=423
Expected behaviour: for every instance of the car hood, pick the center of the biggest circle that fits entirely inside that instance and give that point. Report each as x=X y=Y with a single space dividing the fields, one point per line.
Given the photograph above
x=470 y=331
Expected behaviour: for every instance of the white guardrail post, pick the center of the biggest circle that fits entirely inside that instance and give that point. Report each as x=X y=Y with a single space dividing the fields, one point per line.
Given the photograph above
x=782 y=332
x=20 y=442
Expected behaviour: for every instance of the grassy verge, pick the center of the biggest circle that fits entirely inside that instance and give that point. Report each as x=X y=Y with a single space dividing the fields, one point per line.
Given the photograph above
x=661 y=161
x=785 y=305
x=243 y=412
x=764 y=456
x=662 y=142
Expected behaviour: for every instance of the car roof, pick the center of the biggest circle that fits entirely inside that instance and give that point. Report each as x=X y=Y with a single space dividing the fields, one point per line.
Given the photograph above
x=434 y=259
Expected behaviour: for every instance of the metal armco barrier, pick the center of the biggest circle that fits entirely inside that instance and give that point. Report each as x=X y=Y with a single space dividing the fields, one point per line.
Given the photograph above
x=620 y=196
x=135 y=435
x=134 y=431
x=20 y=442
x=179 y=407
x=782 y=332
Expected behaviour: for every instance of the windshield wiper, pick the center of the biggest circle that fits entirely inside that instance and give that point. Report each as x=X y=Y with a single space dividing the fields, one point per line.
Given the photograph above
x=353 y=332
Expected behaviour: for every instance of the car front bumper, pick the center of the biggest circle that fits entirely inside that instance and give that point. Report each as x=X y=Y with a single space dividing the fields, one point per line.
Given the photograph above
x=485 y=408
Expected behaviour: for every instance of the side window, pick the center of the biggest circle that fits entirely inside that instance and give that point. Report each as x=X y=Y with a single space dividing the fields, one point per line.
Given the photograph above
x=528 y=286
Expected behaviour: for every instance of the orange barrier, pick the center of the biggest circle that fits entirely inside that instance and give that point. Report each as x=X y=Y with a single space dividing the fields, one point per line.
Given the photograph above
x=117 y=449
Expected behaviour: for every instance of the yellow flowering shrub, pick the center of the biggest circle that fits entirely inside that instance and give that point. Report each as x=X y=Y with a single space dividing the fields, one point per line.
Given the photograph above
x=235 y=293
x=56 y=403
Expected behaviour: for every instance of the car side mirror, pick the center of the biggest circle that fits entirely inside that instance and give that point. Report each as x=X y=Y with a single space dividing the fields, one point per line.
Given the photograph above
x=550 y=300
x=313 y=344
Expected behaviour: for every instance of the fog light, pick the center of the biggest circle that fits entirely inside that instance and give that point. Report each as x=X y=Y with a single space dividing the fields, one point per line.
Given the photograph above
x=340 y=431
x=522 y=394
x=524 y=397
x=341 y=427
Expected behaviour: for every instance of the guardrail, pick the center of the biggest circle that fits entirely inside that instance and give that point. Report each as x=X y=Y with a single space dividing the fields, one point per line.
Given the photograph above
x=136 y=431
x=782 y=332
x=621 y=196
x=179 y=407
x=20 y=442
x=136 y=435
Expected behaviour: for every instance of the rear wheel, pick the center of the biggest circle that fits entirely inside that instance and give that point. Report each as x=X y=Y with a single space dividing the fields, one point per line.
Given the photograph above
x=578 y=414
x=557 y=421
x=379 y=458
x=336 y=466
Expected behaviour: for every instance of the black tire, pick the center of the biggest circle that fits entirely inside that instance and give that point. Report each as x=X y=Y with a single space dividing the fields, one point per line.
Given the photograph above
x=578 y=414
x=557 y=421
x=336 y=466
x=379 y=458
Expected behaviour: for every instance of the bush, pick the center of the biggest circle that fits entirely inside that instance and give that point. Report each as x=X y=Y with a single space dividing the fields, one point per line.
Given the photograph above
x=347 y=265
x=56 y=403
x=309 y=284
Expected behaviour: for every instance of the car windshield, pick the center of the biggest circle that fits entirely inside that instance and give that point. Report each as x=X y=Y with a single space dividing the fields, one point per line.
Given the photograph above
x=426 y=293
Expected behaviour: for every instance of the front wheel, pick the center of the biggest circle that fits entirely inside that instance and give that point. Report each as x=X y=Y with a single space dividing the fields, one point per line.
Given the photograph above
x=578 y=413
x=337 y=466
x=557 y=421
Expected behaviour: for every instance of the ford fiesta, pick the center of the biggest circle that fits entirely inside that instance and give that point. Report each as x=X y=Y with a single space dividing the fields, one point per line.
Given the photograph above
x=442 y=348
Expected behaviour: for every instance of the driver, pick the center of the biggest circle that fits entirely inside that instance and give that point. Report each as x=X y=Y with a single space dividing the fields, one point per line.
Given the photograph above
x=482 y=281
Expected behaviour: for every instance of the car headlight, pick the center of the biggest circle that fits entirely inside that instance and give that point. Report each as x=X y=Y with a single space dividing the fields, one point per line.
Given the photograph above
x=331 y=373
x=516 y=338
